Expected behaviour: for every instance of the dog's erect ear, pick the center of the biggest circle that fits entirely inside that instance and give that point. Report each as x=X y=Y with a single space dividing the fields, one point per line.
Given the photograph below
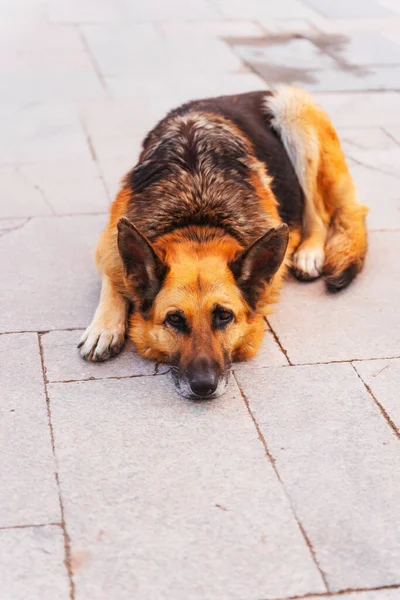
x=256 y=265
x=143 y=266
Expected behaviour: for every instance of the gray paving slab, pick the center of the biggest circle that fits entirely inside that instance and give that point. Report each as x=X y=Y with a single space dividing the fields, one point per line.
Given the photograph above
x=362 y=321
x=254 y=9
x=155 y=10
x=34 y=132
x=68 y=188
x=337 y=79
x=352 y=110
x=20 y=197
x=64 y=363
x=297 y=53
x=48 y=276
x=383 y=378
x=354 y=9
x=380 y=192
x=28 y=493
x=160 y=503
x=340 y=464
x=32 y=564
x=369 y=48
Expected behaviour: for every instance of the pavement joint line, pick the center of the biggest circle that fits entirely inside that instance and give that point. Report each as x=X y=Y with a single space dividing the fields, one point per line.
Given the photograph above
x=29 y=526
x=112 y=377
x=387 y=418
x=67 y=539
x=95 y=158
x=357 y=91
x=390 y=135
x=92 y=60
x=278 y=341
x=339 y=593
x=20 y=226
x=272 y=460
x=371 y=167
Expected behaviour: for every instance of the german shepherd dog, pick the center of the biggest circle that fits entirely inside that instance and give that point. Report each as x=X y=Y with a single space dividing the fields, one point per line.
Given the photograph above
x=227 y=194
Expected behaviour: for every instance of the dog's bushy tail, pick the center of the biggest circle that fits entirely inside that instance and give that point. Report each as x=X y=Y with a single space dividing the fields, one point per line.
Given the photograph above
x=332 y=213
x=346 y=245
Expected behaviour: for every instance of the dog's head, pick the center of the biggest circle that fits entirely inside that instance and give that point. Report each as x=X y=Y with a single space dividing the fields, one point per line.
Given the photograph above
x=196 y=302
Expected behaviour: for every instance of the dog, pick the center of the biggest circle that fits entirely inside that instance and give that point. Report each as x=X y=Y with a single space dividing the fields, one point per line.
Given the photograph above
x=228 y=194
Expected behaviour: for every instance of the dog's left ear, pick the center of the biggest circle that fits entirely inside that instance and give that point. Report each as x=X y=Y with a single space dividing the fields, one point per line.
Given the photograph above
x=144 y=268
x=256 y=265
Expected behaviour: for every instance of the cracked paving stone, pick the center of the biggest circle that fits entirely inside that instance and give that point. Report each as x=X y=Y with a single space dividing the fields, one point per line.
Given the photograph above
x=48 y=276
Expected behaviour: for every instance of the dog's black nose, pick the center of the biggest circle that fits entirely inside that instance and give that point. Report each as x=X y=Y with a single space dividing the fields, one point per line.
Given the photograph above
x=203 y=375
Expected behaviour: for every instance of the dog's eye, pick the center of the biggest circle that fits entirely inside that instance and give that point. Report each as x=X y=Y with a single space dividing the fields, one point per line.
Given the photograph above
x=222 y=317
x=176 y=320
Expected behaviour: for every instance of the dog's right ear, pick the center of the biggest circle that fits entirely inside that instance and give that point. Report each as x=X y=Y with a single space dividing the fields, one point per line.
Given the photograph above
x=144 y=268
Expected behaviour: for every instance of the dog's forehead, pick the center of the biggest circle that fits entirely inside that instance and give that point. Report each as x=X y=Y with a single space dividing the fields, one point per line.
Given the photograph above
x=200 y=286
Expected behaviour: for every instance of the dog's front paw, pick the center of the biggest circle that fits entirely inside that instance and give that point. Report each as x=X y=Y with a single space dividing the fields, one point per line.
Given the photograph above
x=308 y=263
x=98 y=343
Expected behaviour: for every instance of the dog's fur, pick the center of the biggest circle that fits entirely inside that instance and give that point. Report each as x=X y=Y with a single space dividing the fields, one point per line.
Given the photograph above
x=228 y=192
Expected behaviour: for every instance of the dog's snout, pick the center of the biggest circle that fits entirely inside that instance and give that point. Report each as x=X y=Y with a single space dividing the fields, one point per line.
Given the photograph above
x=203 y=376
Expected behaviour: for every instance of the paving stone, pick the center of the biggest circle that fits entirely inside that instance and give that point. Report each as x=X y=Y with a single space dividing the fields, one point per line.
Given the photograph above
x=32 y=564
x=139 y=50
x=7 y=225
x=45 y=63
x=177 y=89
x=369 y=48
x=358 y=323
x=254 y=9
x=352 y=110
x=28 y=493
x=394 y=131
x=183 y=10
x=21 y=198
x=34 y=133
x=340 y=464
x=354 y=9
x=380 y=193
x=354 y=139
x=269 y=355
x=85 y=11
x=211 y=29
x=383 y=378
x=69 y=188
x=48 y=276
x=297 y=54
x=159 y=502
x=63 y=362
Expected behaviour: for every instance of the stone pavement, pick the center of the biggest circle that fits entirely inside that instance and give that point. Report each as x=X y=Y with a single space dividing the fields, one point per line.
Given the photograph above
x=112 y=487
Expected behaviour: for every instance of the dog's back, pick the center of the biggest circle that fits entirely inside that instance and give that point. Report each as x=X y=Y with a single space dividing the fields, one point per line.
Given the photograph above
x=198 y=167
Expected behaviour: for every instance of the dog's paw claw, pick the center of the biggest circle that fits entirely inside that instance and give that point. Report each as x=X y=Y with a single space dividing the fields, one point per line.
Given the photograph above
x=98 y=344
x=308 y=263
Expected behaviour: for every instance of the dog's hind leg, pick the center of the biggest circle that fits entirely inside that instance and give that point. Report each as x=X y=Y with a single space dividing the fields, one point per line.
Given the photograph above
x=105 y=335
x=334 y=239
